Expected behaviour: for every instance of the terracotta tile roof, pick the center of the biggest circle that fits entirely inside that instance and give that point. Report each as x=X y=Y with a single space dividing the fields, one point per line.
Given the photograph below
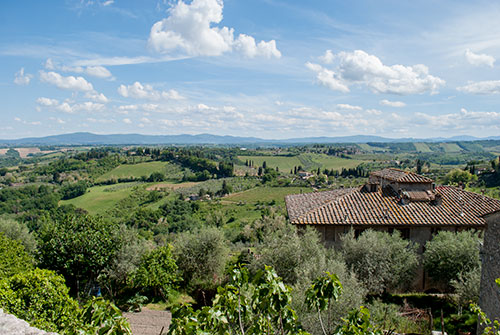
x=356 y=206
x=401 y=176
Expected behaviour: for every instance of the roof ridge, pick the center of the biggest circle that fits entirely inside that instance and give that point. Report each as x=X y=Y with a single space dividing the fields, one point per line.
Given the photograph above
x=349 y=191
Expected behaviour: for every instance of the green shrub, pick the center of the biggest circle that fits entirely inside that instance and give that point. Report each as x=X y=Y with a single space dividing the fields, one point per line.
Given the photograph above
x=382 y=261
x=201 y=256
x=41 y=298
x=448 y=254
x=14 y=258
x=157 y=272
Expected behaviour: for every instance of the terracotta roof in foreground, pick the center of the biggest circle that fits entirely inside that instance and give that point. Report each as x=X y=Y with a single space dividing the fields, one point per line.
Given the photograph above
x=359 y=207
x=401 y=176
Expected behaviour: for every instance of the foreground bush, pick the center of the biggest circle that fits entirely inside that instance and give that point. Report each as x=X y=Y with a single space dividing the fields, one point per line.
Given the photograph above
x=449 y=254
x=382 y=261
x=201 y=256
x=157 y=273
x=13 y=257
x=41 y=298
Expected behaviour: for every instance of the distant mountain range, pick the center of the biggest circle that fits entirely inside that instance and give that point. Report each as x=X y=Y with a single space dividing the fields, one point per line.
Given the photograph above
x=138 y=139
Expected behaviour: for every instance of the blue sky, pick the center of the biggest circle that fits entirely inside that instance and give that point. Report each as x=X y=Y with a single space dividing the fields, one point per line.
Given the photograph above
x=264 y=68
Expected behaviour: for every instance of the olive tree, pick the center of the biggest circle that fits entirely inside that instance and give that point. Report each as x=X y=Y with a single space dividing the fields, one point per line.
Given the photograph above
x=449 y=254
x=201 y=256
x=381 y=261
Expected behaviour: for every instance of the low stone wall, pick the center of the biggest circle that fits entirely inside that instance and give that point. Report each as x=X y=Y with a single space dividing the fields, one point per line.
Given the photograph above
x=10 y=325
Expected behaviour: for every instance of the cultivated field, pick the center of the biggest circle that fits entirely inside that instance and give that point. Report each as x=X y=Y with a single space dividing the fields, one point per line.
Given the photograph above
x=422 y=147
x=450 y=147
x=142 y=169
x=99 y=199
x=308 y=161
x=265 y=194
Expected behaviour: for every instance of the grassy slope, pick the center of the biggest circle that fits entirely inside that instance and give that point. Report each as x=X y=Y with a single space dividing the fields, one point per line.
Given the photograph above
x=140 y=169
x=98 y=199
x=422 y=147
x=307 y=161
x=265 y=194
x=450 y=147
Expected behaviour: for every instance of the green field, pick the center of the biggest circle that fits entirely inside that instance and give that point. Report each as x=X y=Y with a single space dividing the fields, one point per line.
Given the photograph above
x=308 y=161
x=422 y=147
x=266 y=194
x=99 y=199
x=450 y=147
x=142 y=169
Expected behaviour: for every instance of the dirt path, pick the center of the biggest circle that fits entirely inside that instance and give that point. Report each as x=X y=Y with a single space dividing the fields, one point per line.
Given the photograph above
x=149 y=322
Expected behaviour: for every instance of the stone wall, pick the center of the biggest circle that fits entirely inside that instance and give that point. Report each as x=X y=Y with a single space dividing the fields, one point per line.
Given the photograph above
x=489 y=298
x=10 y=325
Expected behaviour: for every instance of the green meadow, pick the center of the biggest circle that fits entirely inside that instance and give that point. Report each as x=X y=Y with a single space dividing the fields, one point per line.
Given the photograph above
x=99 y=199
x=308 y=161
x=142 y=169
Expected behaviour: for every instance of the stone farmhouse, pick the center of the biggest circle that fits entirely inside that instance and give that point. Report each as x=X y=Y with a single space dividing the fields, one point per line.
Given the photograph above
x=391 y=200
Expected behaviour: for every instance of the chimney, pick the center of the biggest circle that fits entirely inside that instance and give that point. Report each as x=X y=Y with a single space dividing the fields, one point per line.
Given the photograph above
x=438 y=199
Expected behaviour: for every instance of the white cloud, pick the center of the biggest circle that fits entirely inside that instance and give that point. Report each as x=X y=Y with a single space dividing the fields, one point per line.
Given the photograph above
x=463 y=120
x=349 y=107
x=145 y=120
x=189 y=28
x=21 y=78
x=66 y=107
x=392 y=103
x=140 y=91
x=98 y=97
x=127 y=121
x=98 y=71
x=66 y=83
x=482 y=87
x=33 y=123
x=94 y=71
x=479 y=59
x=47 y=102
x=58 y=120
x=361 y=68
x=108 y=3
x=328 y=78
x=373 y=112
x=328 y=57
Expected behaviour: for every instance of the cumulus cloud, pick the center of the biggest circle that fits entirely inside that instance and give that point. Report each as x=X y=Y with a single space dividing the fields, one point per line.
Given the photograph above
x=349 y=107
x=463 y=120
x=140 y=91
x=127 y=121
x=189 y=28
x=94 y=71
x=479 y=59
x=98 y=97
x=482 y=87
x=361 y=68
x=67 y=107
x=47 y=102
x=328 y=57
x=373 y=112
x=98 y=71
x=66 y=83
x=21 y=78
x=389 y=103
x=328 y=78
